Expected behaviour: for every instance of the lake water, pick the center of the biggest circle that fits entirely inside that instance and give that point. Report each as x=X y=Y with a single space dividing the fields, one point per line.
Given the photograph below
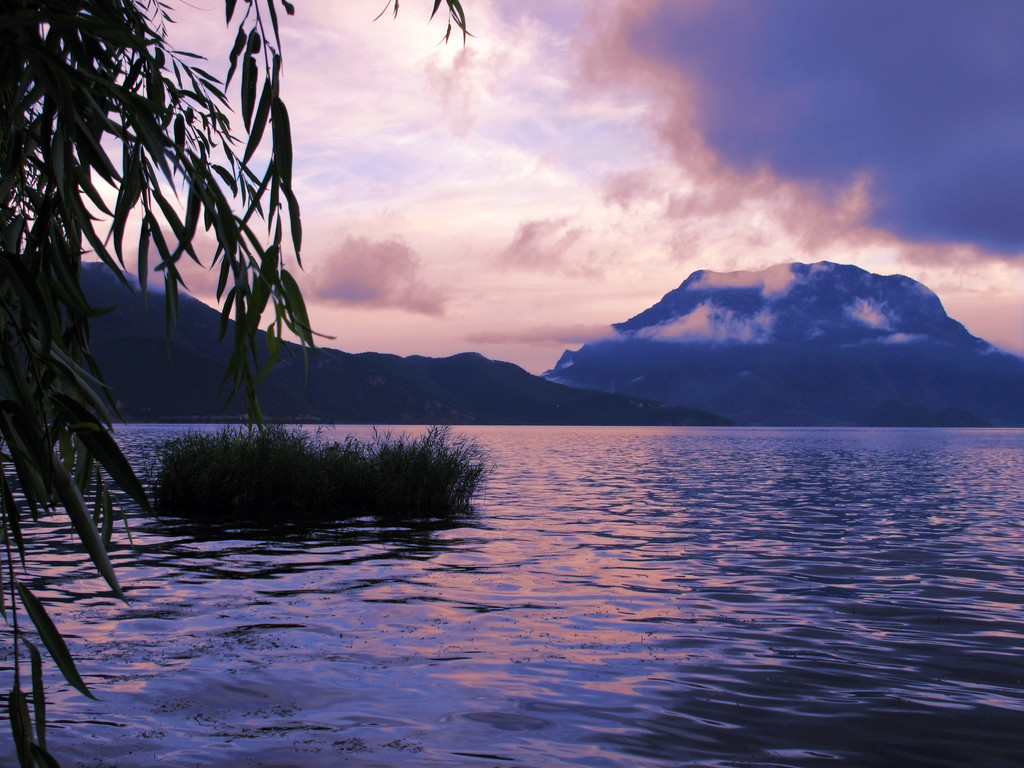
x=621 y=597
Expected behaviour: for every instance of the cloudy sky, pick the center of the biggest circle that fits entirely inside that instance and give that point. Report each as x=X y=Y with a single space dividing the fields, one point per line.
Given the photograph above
x=578 y=159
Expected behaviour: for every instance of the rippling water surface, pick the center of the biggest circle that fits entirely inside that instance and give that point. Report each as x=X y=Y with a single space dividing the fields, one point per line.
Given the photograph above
x=621 y=597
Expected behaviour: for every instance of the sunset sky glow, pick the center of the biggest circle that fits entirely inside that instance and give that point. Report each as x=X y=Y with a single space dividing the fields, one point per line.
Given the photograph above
x=577 y=159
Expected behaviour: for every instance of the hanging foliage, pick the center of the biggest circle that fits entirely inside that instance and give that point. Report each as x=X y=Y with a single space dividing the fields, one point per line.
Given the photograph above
x=113 y=146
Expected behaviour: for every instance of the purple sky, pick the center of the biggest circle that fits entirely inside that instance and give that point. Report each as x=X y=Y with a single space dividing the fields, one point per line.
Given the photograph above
x=578 y=159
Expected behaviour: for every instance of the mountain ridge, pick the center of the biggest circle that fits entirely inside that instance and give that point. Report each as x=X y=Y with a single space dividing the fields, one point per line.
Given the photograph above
x=154 y=377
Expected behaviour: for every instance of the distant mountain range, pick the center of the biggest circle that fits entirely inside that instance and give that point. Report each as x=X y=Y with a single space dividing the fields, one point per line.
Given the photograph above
x=156 y=379
x=805 y=344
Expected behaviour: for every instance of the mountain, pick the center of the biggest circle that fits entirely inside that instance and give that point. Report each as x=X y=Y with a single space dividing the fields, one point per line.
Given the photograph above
x=804 y=344
x=154 y=378
x=899 y=414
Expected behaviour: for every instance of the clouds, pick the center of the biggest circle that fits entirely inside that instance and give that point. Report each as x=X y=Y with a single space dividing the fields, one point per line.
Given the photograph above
x=544 y=245
x=712 y=323
x=567 y=335
x=870 y=313
x=376 y=275
x=773 y=281
x=921 y=100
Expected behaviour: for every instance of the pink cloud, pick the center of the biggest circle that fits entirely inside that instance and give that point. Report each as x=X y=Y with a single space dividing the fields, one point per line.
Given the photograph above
x=772 y=281
x=870 y=314
x=549 y=334
x=629 y=187
x=712 y=323
x=454 y=86
x=377 y=274
x=542 y=245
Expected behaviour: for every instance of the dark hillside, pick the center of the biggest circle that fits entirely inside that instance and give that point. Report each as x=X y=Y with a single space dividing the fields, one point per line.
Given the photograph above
x=180 y=380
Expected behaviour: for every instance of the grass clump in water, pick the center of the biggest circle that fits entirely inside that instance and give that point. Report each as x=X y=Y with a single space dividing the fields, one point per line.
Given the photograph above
x=275 y=471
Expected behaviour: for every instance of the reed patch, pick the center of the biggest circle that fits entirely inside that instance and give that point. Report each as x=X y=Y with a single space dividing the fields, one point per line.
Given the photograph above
x=276 y=471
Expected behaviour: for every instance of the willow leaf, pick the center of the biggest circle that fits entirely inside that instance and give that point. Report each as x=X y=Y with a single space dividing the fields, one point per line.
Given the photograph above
x=11 y=519
x=43 y=757
x=104 y=448
x=273 y=22
x=282 y=142
x=52 y=639
x=259 y=123
x=74 y=506
x=236 y=51
x=21 y=726
x=300 y=324
x=294 y=221
x=38 y=693
x=249 y=72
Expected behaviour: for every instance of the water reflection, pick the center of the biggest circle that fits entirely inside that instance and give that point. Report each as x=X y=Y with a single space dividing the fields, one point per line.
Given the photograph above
x=416 y=536
x=621 y=598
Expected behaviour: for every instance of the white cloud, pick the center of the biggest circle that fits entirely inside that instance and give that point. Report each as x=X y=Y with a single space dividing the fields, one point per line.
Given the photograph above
x=902 y=338
x=870 y=314
x=773 y=281
x=715 y=324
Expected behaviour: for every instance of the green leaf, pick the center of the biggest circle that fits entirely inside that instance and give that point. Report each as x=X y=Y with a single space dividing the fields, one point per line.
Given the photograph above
x=30 y=299
x=104 y=448
x=52 y=639
x=192 y=210
x=21 y=726
x=28 y=448
x=127 y=197
x=249 y=72
x=259 y=123
x=179 y=133
x=38 y=692
x=282 y=142
x=273 y=22
x=157 y=236
x=74 y=506
x=143 y=258
x=225 y=313
x=170 y=215
x=297 y=308
x=11 y=516
x=107 y=527
x=227 y=178
x=236 y=51
x=170 y=301
x=43 y=757
x=295 y=221
x=255 y=43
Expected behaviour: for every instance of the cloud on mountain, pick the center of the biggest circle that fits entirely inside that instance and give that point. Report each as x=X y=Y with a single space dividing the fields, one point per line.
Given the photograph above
x=773 y=281
x=915 y=103
x=870 y=314
x=379 y=274
x=711 y=323
x=903 y=338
